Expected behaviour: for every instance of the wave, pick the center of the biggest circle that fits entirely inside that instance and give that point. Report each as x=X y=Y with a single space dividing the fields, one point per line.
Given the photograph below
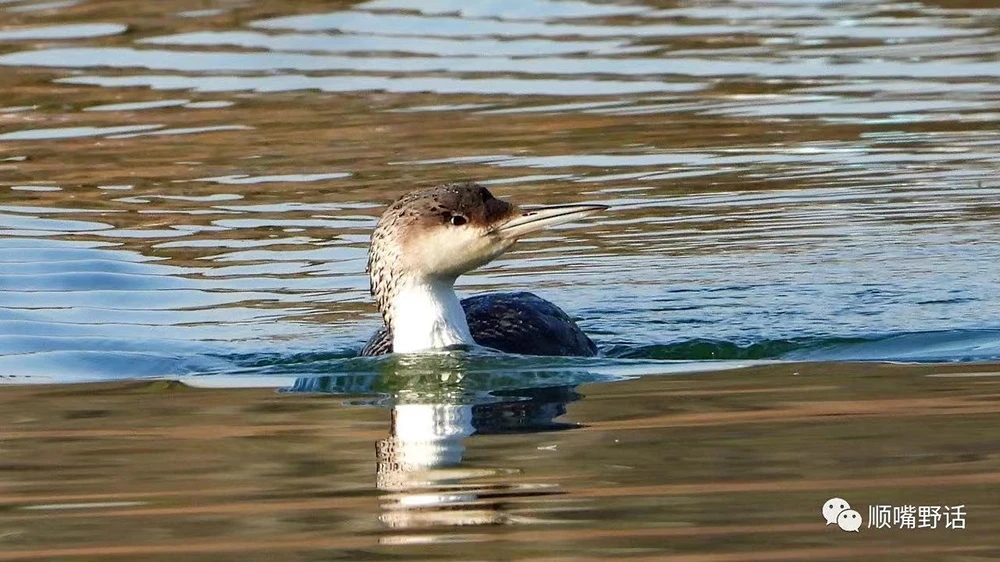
x=106 y=363
x=931 y=347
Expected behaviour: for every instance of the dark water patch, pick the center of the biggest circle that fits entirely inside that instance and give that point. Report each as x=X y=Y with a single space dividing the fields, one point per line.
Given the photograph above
x=941 y=346
x=704 y=349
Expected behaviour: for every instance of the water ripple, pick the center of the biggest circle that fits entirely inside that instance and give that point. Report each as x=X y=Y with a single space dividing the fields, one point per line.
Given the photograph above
x=789 y=181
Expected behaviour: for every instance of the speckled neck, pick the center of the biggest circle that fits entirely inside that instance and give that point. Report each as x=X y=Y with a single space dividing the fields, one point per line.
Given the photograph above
x=383 y=274
x=420 y=313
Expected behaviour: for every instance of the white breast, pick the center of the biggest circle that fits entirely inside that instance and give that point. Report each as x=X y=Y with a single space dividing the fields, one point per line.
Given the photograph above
x=426 y=316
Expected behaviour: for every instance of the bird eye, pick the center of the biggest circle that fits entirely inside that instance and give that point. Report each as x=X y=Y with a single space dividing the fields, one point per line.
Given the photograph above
x=458 y=220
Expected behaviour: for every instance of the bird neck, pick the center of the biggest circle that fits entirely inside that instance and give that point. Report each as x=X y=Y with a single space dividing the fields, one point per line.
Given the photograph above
x=425 y=314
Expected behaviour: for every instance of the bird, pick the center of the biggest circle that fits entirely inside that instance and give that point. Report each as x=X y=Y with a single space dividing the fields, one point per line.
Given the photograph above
x=426 y=239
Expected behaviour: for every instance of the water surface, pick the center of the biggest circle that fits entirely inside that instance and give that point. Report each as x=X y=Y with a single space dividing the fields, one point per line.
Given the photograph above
x=186 y=193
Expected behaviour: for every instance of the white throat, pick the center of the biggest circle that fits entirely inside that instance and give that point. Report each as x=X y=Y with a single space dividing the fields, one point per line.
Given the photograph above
x=426 y=315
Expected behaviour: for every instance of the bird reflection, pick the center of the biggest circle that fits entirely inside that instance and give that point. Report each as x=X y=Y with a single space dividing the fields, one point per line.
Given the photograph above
x=420 y=467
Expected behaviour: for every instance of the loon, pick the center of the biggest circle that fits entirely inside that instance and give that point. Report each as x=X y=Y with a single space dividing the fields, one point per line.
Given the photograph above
x=426 y=239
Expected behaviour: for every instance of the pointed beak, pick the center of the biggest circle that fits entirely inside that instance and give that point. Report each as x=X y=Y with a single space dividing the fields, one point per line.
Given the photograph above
x=527 y=221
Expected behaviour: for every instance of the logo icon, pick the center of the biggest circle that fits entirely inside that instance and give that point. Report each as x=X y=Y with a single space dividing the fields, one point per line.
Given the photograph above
x=832 y=508
x=849 y=520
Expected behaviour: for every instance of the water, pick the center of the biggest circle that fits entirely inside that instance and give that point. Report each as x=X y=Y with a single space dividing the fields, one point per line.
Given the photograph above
x=186 y=193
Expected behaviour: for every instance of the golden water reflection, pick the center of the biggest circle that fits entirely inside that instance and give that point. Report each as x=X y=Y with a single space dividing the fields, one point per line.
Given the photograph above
x=420 y=466
x=679 y=467
x=420 y=463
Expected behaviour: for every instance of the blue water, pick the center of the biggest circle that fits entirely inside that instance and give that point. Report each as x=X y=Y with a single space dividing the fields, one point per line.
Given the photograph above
x=808 y=182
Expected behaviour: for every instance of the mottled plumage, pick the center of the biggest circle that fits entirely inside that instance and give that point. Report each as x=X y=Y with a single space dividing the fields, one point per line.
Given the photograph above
x=425 y=240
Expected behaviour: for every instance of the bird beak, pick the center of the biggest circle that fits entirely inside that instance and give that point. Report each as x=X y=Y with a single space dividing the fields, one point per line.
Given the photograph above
x=527 y=221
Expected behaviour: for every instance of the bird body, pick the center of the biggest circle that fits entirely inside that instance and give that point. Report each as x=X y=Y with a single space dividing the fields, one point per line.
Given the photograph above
x=522 y=323
x=425 y=240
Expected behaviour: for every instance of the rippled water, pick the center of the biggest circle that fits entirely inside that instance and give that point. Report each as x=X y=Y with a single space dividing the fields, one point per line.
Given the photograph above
x=187 y=189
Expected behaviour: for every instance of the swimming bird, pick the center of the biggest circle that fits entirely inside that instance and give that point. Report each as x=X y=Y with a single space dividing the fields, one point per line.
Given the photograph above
x=426 y=239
